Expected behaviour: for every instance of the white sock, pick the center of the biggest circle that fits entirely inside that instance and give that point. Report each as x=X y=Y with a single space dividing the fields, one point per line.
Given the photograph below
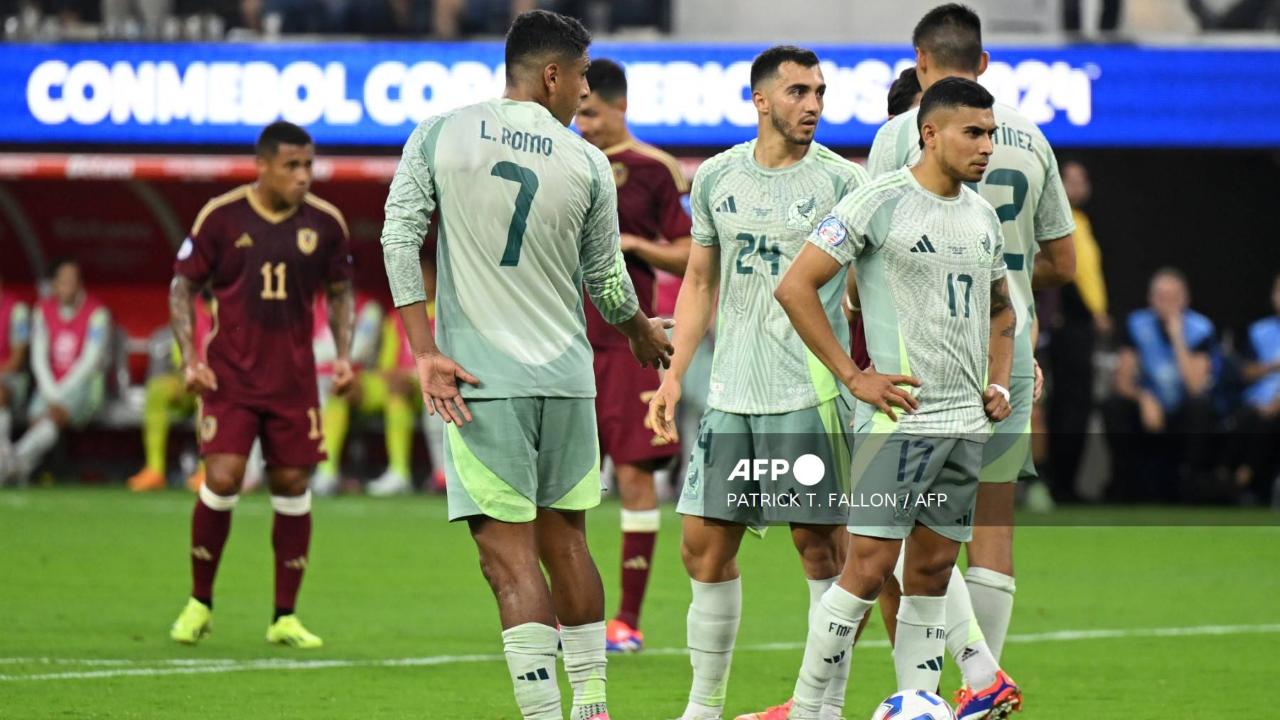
x=584 y=663
x=833 y=698
x=35 y=443
x=833 y=625
x=992 y=595
x=920 y=642
x=714 y=615
x=6 y=426
x=531 y=657
x=965 y=641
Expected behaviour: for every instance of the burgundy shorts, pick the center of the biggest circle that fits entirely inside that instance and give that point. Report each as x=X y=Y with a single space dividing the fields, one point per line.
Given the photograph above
x=623 y=391
x=291 y=436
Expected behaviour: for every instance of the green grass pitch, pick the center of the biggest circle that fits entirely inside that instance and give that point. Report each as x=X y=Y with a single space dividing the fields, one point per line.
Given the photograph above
x=1126 y=622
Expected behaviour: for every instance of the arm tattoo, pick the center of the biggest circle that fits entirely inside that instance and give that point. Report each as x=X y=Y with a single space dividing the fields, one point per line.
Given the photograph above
x=181 y=316
x=1000 y=303
x=999 y=296
x=342 y=316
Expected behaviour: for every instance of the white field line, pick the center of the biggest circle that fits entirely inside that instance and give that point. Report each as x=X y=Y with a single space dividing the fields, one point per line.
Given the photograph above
x=195 y=666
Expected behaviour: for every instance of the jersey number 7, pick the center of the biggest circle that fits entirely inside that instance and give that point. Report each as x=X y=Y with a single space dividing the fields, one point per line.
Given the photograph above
x=528 y=181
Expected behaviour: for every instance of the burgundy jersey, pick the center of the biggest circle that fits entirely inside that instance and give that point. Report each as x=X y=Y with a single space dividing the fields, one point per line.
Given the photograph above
x=264 y=269
x=652 y=192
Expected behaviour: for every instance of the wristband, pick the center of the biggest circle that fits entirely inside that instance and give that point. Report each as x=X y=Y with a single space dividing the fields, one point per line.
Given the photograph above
x=1002 y=390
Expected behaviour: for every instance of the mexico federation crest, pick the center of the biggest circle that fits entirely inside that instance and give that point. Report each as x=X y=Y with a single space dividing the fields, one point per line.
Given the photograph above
x=620 y=173
x=832 y=231
x=208 y=428
x=800 y=214
x=307 y=240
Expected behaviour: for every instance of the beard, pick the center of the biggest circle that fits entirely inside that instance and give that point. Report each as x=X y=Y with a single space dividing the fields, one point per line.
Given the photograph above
x=791 y=132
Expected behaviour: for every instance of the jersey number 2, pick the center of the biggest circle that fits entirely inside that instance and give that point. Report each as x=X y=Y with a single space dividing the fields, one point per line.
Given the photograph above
x=528 y=181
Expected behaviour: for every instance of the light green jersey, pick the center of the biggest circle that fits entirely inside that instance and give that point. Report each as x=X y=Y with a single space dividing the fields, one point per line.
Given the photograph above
x=1022 y=184
x=925 y=266
x=528 y=215
x=759 y=218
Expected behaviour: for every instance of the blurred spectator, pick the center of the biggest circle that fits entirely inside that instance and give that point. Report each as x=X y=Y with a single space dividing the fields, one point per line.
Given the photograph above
x=68 y=352
x=1161 y=413
x=456 y=18
x=1081 y=315
x=129 y=18
x=1257 y=456
x=15 y=334
x=603 y=16
x=1074 y=22
x=1236 y=14
x=294 y=17
x=387 y=17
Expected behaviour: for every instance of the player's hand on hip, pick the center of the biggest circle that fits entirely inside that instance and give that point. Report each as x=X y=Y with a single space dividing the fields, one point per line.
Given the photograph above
x=439 y=376
x=199 y=379
x=343 y=377
x=996 y=404
x=651 y=346
x=1038 y=390
x=883 y=392
x=662 y=411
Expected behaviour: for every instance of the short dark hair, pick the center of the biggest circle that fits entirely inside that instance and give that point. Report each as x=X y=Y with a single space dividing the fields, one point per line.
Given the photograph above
x=538 y=33
x=60 y=262
x=951 y=34
x=280 y=133
x=767 y=63
x=1170 y=271
x=903 y=91
x=951 y=93
x=607 y=79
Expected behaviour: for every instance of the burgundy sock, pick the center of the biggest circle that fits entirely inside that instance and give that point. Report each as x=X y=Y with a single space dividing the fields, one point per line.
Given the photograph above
x=637 y=556
x=291 y=539
x=209 y=530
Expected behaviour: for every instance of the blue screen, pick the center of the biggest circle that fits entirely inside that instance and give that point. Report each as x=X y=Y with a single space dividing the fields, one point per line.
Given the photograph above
x=372 y=94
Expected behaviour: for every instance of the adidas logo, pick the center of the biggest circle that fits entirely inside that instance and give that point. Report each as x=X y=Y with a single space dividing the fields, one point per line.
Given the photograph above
x=728 y=206
x=200 y=552
x=636 y=563
x=539 y=674
x=967 y=654
x=299 y=563
x=835 y=659
x=934 y=664
x=924 y=246
x=244 y=241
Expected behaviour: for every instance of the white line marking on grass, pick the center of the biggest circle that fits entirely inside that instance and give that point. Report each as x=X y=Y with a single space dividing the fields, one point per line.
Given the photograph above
x=195 y=666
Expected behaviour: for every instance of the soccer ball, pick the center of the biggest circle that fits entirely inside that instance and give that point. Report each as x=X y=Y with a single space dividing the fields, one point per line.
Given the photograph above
x=914 y=705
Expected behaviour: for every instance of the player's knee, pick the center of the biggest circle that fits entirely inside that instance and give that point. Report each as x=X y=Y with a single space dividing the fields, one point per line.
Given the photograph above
x=290 y=482
x=820 y=556
x=928 y=575
x=222 y=480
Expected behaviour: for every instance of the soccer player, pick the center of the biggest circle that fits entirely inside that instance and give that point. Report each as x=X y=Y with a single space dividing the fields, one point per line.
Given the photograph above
x=1023 y=184
x=931 y=273
x=264 y=250
x=528 y=216
x=69 y=339
x=165 y=395
x=753 y=205
x=15 y=336
x=904 y=92
x=363 y=392
x=650 y=209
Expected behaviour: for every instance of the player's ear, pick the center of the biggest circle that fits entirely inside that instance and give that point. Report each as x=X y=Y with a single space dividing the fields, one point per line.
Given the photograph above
x=982 y=62
x=760 y=101
x=551 y=77
x=922 y=63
